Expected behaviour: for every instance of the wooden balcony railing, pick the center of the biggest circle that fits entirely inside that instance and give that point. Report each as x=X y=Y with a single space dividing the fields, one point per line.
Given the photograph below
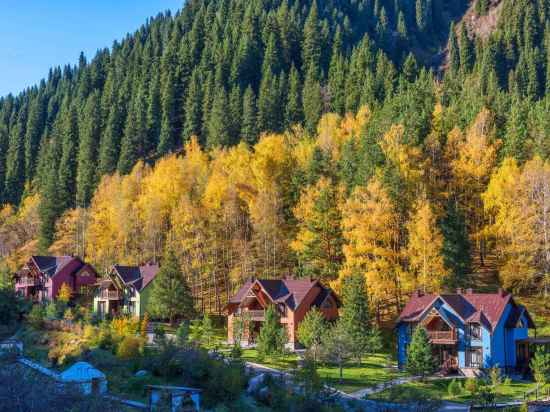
x=110 y=294
x=27 y=281
x=442 y=335
x=254 y=314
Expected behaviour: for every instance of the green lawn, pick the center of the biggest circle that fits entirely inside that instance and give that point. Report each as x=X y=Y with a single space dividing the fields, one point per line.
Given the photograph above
x=372 y=371
x=438 y=390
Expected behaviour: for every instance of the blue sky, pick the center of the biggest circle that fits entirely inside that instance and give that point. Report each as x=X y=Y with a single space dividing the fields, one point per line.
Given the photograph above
x=38 y=34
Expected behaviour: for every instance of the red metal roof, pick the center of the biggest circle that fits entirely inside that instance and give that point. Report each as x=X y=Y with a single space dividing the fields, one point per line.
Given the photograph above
x=469 y=306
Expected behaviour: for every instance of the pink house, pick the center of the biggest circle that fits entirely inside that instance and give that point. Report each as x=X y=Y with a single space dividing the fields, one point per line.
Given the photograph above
x=42 y=277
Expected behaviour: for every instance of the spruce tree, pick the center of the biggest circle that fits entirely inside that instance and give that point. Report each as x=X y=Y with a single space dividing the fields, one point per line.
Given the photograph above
x=454 y=51
x=272 y=337
x=167 y=140
x=110 y=140
x=249 y=130
x=15 y=160
x=218 y=133
x=90 y=132
x=311 y=52
x=135 y=134
x=68 y=133
x=153 y=114
x=170 y=295
x=467 y=56
x=193 y=107
x=293 y=110
x=456 y=245
x=50 y=206
x=420 y=361
x=34 y=130
x=312 y=101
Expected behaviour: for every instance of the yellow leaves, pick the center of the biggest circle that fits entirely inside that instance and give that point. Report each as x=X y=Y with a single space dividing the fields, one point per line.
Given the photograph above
x=370 y=226
x=476 y=154
x=70 y=233
x=426 y=267
x=65 y=293
x=518 y=200
x=406 y=158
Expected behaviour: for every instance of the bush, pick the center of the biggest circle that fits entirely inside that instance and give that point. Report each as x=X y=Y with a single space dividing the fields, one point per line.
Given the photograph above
x=36 y=316
x=105 y=338
x=131 y=347
x=471 y=385
x=52 y=311
x=455 y=388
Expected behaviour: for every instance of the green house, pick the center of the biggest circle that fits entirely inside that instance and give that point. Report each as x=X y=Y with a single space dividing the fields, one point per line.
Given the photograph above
x=125 y=291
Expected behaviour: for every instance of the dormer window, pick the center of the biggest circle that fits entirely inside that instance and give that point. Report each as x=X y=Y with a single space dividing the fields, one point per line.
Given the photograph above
x=474 y=330
x=327 y=304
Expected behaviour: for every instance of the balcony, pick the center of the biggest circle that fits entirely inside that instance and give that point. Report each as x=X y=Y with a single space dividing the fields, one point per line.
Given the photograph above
x=27 y=282
x=253 y=314
x=443 y=336
x=110 y=294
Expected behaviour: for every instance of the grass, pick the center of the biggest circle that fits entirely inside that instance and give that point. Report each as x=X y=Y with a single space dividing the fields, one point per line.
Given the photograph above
x=373 y=370
x=438 y=390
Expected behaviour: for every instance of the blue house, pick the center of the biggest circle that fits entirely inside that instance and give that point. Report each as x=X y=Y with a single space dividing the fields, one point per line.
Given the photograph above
x=467 y=330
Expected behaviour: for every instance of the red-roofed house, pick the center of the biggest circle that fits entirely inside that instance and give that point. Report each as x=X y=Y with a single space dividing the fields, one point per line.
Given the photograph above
x=467 y=329
x=293 y=298
x=126 y=290
x=42 y=277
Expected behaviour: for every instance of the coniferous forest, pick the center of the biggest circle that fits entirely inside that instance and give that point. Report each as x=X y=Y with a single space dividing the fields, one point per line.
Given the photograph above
x=405 y=140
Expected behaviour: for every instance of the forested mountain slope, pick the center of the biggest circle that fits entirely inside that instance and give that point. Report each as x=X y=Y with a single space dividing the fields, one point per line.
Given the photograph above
x=227 y=71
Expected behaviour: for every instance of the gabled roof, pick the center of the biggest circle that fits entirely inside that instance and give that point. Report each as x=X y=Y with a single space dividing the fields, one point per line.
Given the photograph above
x=137 y=276
x=291 y=292
x=470 y=307
x=52 y=265
x=515 y=315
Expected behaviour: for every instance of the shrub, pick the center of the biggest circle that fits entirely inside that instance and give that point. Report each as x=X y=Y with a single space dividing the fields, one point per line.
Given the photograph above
x=471 y=385
x=52 y=312
x=455 y=388
x=105 y=338
x=68 y=315
x=130 y=348
x=90 y=334
x=36 y=316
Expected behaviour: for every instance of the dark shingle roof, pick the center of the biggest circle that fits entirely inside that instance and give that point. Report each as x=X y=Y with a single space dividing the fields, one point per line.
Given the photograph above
x=288 y=291
x=138 y=276
x=52 y=265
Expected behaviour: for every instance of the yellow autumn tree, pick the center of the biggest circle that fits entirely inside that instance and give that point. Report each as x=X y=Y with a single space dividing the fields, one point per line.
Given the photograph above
x=318 y=242
x=517 y=200
x=65 y=293
x=426 y=267
x=370 y=226
x=476 y=157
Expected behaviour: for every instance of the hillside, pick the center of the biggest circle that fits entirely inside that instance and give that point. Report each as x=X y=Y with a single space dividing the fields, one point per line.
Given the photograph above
x=345 y=87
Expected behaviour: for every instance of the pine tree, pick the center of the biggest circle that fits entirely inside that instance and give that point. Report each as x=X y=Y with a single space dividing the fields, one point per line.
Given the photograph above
x=153 y=114
x=311 y=52
x=467 y=51
x=249 y=130
x=109 y=145
x=90 y=132
x=272 y=337
x=193 y=108
x=68 y=133
x=170 y=297
x=420 y=361
x=135 y=134
x=454 y=51
x=167 y=141
x=218 y=133
x=35 y=128
x=50 y=206
x=456 y=245
x=293 y=110
x=15 y=160
x=312 y=101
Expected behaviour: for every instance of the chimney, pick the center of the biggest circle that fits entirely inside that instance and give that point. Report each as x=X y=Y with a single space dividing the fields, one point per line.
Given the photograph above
x=469 y=291
x=459 y=291
x=501 y=292
x=418 y=293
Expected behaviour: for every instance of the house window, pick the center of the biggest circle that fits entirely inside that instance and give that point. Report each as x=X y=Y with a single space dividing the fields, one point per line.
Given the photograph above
x=132 y=307
x=474 y=330
x=327 y=304
x=474 y=358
